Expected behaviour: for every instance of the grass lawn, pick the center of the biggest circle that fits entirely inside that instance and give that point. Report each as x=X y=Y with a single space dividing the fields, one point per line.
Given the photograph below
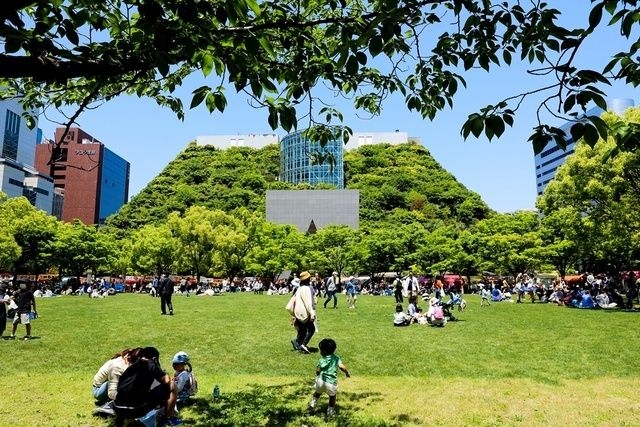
x=503 y=365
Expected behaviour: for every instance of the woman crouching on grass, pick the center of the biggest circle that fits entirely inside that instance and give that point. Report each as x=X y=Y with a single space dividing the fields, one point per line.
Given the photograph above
x=105 y=382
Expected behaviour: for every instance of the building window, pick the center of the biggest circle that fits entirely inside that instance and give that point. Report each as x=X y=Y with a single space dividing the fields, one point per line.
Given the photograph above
x=16 y=182
x=30 y=195
x=11 y=136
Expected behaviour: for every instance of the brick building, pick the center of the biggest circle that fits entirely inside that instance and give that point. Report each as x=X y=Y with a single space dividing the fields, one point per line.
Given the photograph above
x=93 y=180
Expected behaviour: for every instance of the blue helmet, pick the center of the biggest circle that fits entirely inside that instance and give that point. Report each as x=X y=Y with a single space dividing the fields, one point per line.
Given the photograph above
x=180 y=357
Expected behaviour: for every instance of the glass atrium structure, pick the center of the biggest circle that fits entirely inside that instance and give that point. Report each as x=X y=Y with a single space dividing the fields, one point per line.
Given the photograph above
x=296 y=153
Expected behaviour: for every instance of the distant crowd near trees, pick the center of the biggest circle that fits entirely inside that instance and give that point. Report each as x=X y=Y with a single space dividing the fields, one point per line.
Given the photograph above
x=587 y=221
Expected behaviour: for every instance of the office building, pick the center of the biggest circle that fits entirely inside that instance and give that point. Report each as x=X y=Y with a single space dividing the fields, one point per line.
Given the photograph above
x=92 y=180
x=552 y=157
x=254 y=140
x=360 y=139
x=309 y=210
x=18 y=177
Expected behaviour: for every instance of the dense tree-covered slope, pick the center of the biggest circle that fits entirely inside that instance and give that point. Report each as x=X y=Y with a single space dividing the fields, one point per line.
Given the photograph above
x=401 y=183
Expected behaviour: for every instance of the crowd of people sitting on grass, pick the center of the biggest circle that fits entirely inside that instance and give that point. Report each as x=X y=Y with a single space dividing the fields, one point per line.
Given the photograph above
x=578 y=291
x=583 y=291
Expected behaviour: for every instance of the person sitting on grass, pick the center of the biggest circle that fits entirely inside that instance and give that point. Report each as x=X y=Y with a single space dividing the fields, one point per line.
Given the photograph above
x=105 y=381
x=327 y=375
x=496 y=295
x=144 y=390
x=435 y=314
x=400 y=318
x=587 y=300
x=185 y=382
x=414 y=312
x=603 y=301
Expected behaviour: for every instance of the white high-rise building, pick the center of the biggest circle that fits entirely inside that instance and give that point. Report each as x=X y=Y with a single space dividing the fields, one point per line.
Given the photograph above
x=253 y=140
x=18 y=176
x=552 y=157
x=360 y=139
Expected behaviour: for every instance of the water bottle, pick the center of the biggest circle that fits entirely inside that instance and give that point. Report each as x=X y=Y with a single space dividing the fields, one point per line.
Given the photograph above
x=216 y=392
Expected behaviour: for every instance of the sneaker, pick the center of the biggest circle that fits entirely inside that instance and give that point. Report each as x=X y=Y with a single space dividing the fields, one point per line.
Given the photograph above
x=295 y=345
x=304 y=349
x=331 y=412
x=173 y=421
x=27 y=337
x=12 y=337
x=106 y=408
x=312 y=404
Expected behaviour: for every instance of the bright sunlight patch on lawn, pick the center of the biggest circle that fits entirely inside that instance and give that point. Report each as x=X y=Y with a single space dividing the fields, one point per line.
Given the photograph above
x=503 y=365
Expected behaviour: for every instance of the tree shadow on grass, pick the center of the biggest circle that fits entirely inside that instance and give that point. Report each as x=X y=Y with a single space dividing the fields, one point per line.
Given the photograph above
x=281 y=405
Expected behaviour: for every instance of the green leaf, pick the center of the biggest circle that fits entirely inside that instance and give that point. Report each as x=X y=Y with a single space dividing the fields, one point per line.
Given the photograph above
x=496 y=124
x=539 y=141
x=591 y=135
x=611 y=6
x=477 y=125
x=163 y=65
x=375 y=45
x=266 y=45
x=595 y=16
x=220 y=101
x=255 y=8
x=569 y=103
x=601 y=126
x=210 y=102
x=273 y=117
x=352 y=65
x=506 y=56
x=207 y=64
x=577 y=131
x=199 y=96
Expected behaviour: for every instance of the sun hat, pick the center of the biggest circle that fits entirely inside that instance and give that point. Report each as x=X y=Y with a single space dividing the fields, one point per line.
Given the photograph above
x=305 y=275
x=180 y=357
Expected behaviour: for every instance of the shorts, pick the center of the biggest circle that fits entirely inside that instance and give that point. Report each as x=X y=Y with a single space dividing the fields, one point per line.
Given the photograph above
x=323 y=386
x=23 y=318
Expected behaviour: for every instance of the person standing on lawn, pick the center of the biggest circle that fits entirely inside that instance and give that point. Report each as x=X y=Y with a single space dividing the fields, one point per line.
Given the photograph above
x=25 y=301
x=165 y=290
x=332 y=287
x=4 y=300
x=305 y=313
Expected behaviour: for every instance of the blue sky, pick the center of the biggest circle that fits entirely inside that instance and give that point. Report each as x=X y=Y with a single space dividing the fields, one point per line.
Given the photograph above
x=501 y=172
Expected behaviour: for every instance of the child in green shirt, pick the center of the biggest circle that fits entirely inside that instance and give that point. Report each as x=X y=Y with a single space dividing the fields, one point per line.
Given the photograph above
x=327 y=375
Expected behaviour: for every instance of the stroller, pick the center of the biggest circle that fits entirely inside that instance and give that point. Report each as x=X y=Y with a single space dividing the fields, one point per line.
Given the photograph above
x=447 y=308
x=456 y=300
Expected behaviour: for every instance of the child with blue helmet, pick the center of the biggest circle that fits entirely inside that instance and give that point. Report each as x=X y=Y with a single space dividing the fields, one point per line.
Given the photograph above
x=186 y=384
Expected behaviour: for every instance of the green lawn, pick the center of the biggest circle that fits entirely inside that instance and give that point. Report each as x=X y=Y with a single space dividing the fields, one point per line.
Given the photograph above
x=503 y=365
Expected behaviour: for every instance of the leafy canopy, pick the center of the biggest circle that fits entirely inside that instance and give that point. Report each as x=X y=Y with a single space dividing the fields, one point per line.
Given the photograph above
x=284 y=55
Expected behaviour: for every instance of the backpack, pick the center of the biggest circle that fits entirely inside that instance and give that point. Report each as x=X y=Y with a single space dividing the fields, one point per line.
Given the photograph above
x=193 y=384
x=132 y=400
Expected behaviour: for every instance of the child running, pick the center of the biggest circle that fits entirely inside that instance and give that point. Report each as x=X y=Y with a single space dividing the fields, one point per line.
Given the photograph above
x=327 y=375
x=484 y=297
